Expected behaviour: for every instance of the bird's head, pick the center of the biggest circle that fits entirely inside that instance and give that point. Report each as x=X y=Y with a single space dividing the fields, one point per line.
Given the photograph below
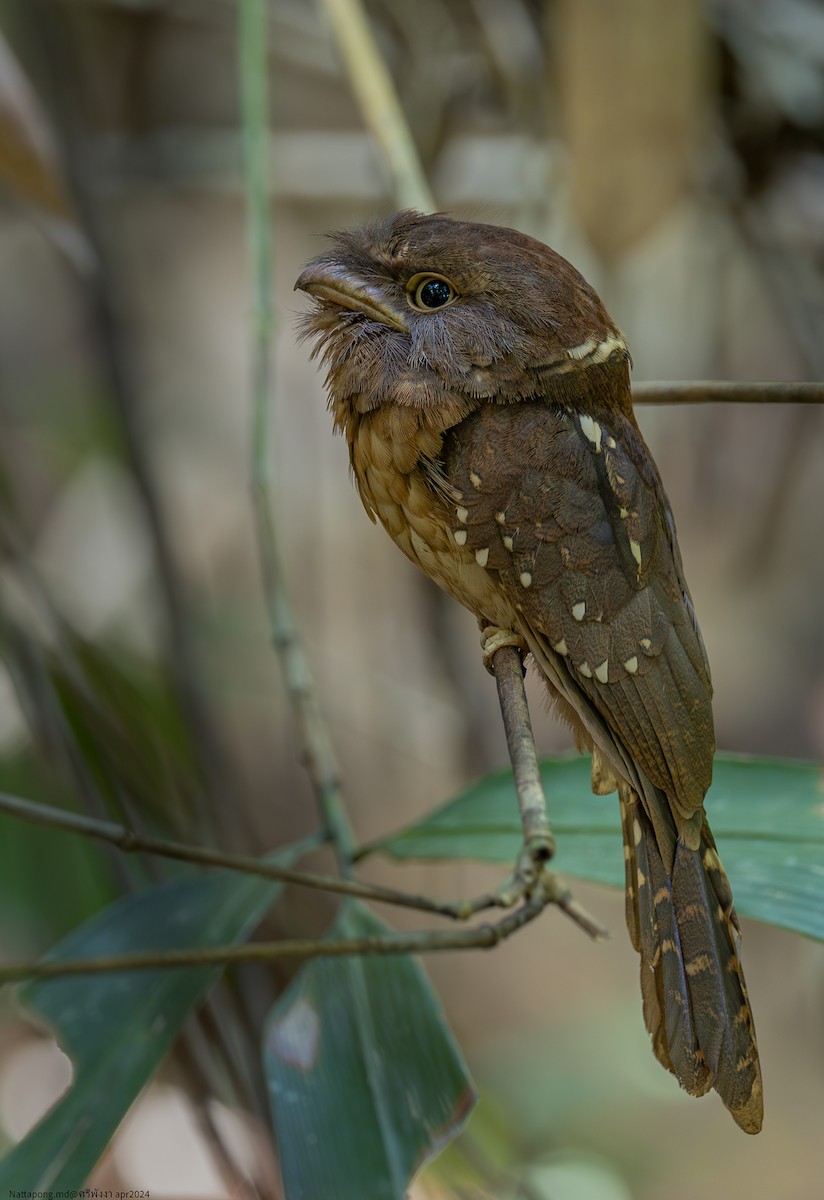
x=414 y=308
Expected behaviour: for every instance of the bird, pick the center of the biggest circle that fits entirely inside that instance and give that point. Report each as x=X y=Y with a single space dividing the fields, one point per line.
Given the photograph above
x=484 y=394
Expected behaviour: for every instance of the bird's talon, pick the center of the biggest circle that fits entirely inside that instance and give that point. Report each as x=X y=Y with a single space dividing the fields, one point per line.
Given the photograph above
x=493 y=638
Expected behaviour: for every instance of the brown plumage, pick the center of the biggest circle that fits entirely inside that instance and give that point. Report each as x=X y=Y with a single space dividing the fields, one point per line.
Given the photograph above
x=484 y=394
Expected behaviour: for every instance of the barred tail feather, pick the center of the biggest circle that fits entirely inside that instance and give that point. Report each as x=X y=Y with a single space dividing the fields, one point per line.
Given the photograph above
x=682 y=922
x=710 y=938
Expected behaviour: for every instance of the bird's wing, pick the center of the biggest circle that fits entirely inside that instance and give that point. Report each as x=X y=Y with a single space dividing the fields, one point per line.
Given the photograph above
x=583 y=542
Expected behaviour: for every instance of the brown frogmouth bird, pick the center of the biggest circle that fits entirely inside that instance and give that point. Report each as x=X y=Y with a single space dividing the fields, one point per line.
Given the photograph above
x=484 y=394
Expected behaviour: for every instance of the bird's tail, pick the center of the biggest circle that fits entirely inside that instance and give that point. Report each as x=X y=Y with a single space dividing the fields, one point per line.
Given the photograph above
x=682 y=922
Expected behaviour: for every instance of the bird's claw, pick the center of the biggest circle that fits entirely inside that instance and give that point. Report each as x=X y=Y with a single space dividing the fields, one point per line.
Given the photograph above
x=493 y=637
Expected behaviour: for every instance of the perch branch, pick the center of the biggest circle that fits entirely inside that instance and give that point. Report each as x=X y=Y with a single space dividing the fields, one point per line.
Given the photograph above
x=507 y=667
x=727 y=392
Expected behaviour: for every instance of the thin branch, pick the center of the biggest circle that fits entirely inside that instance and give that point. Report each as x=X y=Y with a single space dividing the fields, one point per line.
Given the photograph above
x=378 y=101
x=507 y=667
x=130 y=842
x=316 y=746
x=316 y=749
x=481 y=937
x=727 y=392
x=531 y=878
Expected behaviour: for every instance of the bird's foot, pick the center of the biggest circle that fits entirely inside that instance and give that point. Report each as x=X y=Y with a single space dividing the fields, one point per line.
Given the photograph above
x=493 y=637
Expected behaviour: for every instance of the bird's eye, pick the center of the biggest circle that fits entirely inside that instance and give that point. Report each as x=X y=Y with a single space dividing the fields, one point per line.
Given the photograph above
x=428 y=292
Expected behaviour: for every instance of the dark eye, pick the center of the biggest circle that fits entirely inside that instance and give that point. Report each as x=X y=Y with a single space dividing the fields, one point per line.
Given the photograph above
x=430 y=292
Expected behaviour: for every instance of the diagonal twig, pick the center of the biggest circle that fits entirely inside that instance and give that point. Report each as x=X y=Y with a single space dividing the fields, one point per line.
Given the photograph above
x=378 y=102
x=130 y=841
x=480 y=937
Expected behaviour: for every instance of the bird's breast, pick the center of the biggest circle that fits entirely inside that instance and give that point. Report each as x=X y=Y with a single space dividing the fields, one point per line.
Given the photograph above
x=391 y=450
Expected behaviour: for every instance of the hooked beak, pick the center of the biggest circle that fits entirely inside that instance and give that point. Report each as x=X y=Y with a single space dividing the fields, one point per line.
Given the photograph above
x=334 y=284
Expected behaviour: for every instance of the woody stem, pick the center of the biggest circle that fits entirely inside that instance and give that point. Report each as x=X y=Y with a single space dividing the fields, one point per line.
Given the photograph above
x=507 y=667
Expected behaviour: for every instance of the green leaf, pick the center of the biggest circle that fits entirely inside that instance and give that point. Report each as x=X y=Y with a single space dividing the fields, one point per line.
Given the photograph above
x=767 y=816
x=366 y=1081
x=117 y=1027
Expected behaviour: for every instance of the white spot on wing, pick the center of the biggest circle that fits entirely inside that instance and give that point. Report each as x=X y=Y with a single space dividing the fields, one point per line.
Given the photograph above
x=585 y=669
x=463 y=515
x=474 y=479
x=500 y=517
x=578 y=610
x=526 y=579
x=631 y=665
x=635 y=548
x=561 y=647
x=646 y=643
x=482 y=556
x=508 y=541
x=460 y=537
x=602 y=671
x=591 y=430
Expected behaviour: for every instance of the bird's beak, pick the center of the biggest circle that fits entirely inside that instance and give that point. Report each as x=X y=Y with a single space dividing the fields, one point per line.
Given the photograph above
x=335 y=284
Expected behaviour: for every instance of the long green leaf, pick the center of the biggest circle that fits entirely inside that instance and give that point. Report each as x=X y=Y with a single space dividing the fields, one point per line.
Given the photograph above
x=366 y=1081
x=767 y=816
x=117 y=1028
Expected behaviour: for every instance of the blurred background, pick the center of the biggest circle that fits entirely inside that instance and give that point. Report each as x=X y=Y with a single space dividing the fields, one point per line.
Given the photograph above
x=675 y=153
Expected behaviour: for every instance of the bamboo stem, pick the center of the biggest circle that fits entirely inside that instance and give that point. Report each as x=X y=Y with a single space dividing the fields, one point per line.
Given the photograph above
x=378 y=101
